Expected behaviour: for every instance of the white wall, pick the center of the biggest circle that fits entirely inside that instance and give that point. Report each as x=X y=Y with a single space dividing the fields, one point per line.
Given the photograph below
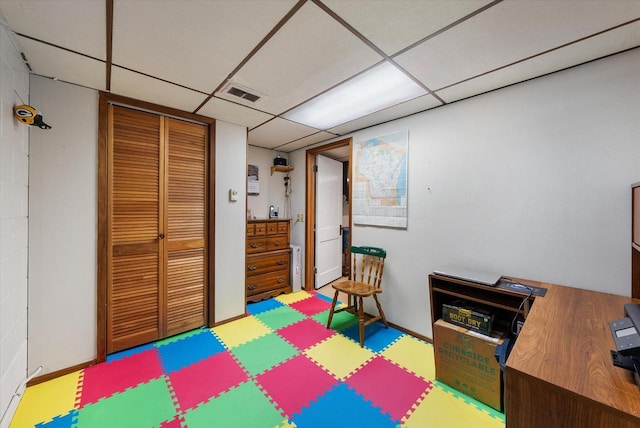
x=63 y=226
x=532 y=181
x=271 y=186
x=230 y=228
x=14 y=170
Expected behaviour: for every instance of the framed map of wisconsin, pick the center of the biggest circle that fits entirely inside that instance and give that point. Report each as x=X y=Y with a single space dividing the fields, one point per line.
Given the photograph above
x=380 y=181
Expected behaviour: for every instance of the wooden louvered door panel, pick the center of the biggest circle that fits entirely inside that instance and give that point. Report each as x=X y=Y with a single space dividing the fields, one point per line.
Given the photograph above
x=156 y=241
x=186 y=208
x=134 y=218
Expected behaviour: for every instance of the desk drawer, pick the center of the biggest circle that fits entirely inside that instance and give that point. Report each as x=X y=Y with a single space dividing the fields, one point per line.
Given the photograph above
x=261 y=264
x=266 y=282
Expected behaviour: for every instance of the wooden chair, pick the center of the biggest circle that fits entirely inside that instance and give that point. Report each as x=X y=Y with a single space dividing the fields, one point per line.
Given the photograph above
x=365 y=275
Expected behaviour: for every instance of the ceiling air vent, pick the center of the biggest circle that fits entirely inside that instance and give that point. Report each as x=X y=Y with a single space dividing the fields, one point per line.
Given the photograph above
x=246 y=94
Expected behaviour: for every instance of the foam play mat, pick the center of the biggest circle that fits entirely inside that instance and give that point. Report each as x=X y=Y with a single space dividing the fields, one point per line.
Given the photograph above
x=278 y=367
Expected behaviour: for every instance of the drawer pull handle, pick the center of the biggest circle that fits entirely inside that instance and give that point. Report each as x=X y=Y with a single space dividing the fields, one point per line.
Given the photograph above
x=253 y=267
x=277 y=243
x=252 y=286
x=254 y=245
x=280 y=280
x=280 y=262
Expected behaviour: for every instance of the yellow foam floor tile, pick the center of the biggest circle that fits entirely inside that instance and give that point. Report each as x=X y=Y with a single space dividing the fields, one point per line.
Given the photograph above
x=414 y=355
x=287 y=299
x=44 y=401
x=241 y=331
x=339 y=355
x=459 y=414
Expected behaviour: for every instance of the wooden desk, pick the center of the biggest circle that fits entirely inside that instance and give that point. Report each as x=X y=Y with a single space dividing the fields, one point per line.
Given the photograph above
x=559 y=373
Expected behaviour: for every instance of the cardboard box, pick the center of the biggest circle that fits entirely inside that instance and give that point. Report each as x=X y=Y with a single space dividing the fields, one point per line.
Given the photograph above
x=465 y=361
x=468 y=316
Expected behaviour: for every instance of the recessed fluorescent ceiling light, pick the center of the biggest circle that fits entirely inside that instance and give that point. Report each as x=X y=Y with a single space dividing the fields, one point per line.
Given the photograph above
x=378 y=88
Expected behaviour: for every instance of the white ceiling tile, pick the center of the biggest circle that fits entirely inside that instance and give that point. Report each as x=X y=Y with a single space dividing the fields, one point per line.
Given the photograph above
x=306 y=141
x=72 y=24
x=195 y=43
x=278 y=132
x=422 y=103
x=509 y=32
x=138 y=86
x=233 y=113
x=393 y=25
x=64 y=65
x=310 y=53
x=613 y=41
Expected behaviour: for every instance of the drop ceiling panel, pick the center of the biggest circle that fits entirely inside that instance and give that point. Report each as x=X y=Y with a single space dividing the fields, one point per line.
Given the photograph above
x=613 y=41
x=138 y=86
x=508 y=32
x=422 y=103
x=64 y=65
x=392 y=25
x=76 y=25
x=278 y=132
x=195 y=43
x=311 y=53
x=306 y=141
x=233 y=113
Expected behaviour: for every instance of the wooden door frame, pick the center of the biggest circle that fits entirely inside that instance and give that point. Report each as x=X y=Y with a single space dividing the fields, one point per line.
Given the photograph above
x=104 y=100
x=310 y=207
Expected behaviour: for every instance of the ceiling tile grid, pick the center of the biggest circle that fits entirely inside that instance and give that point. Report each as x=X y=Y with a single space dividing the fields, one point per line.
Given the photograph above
x=178 y=53
x=310 y=53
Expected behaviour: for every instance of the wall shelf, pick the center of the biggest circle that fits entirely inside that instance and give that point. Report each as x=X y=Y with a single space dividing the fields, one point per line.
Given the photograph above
x=281 y=168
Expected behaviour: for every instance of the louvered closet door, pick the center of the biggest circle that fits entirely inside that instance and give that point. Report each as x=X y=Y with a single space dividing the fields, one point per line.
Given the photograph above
x=134 y=249
x=156 y=227
x=186 y=255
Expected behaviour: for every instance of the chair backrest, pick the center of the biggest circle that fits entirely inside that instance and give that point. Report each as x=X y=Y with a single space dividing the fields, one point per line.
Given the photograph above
x=367 y=264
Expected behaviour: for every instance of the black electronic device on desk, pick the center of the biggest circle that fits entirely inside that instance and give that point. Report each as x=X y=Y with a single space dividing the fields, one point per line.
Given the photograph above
x=627 y=340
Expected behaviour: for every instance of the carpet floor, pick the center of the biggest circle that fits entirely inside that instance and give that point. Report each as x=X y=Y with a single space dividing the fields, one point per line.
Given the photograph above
x=278 y=367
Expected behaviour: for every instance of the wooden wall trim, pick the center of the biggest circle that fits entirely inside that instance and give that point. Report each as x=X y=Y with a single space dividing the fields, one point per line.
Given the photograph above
x=62 y=372
x=310 y=207
x=211 y=221
x=101 y=310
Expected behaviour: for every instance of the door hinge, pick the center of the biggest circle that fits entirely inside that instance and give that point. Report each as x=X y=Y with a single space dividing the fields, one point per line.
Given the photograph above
x=315 y=270
x=315 y=168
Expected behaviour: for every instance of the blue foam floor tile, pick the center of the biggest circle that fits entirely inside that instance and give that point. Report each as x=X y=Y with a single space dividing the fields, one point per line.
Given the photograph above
x=342 y=407
x=323 y=297
x=376 y=336
x=263 y=306
x=66 y=421
x=191 y=349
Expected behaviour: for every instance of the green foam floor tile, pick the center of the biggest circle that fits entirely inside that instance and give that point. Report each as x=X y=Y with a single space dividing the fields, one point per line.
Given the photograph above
x=148 y=404
x=244 y=406
x=177 y=337
x=280 y=317
x=340 y=321
x=263 y=353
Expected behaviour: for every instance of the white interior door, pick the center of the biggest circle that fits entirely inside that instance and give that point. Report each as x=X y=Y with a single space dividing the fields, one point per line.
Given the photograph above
x=328 y=220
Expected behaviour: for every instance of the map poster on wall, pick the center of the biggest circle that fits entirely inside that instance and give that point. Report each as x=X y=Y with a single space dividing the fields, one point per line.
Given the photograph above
x=380 y=181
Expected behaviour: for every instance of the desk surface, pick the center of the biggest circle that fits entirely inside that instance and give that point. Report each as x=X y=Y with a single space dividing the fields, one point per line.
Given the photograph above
x=565 y=342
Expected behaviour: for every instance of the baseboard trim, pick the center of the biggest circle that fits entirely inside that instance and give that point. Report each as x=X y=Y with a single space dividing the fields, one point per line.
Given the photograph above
x=62 y=372
x=229 y=320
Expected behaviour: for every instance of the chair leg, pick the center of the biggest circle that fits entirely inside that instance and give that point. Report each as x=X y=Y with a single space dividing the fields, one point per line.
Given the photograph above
x=361 y=316
x=333 y=307
x=384 y=320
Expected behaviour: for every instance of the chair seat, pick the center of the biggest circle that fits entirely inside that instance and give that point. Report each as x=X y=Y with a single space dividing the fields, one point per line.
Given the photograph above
x=355 y=288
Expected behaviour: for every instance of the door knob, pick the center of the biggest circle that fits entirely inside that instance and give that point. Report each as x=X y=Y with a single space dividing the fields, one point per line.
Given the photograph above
x=161 y=236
